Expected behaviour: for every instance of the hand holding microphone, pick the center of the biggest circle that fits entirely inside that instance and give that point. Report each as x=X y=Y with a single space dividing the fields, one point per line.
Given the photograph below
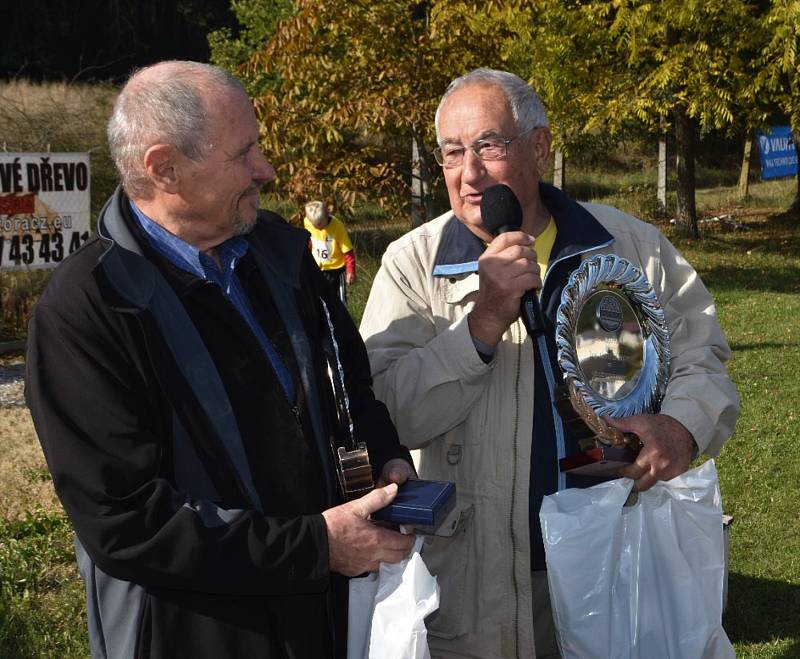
x=509 y=273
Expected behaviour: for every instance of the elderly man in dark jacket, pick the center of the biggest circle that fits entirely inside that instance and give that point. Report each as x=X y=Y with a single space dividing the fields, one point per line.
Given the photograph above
x=181 y=388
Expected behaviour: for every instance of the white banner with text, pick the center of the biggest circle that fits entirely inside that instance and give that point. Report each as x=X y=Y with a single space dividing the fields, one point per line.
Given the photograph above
x=44 y=208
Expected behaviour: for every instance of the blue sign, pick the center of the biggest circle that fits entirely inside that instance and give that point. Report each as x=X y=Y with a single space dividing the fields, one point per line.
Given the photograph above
x=778 y=153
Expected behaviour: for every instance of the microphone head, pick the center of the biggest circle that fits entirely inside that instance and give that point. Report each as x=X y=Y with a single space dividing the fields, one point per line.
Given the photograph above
x=500 y=209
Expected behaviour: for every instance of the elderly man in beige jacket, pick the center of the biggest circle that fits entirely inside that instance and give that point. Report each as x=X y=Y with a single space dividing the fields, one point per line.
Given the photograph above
x=467 y=385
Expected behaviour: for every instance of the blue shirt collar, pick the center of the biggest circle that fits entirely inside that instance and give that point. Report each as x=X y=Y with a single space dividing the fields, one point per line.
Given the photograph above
x=187 y=257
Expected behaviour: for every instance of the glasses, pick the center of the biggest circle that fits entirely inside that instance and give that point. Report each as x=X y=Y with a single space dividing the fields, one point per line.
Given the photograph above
x=491 y=148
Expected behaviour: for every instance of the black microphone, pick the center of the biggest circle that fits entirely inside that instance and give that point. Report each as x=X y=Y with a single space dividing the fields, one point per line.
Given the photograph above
x=501 y=213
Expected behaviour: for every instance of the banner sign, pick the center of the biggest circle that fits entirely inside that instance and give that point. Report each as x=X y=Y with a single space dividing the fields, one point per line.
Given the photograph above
x=44 y=208
x=778 y=153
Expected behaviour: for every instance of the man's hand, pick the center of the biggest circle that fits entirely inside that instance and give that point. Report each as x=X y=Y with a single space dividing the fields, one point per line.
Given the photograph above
x=506 y=269
x=355 y=544
x=397 y=471
x=667 y=449
x=350 y=278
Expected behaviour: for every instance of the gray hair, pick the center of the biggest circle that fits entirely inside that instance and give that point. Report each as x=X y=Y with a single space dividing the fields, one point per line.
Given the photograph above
x=166 y=103
x=526 y=106
x=317 y=213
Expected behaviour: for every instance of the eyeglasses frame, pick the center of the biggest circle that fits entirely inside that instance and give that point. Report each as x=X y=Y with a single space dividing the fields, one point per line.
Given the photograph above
x=438 y=156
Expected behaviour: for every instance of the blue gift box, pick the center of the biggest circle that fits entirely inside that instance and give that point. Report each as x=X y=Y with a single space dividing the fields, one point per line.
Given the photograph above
x=422 y=503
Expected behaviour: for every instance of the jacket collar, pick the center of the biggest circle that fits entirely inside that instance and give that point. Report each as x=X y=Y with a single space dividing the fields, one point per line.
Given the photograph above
x=112 y=225
x=123 y=262
x=459 y=250
x=578 y=231
x=130 y=269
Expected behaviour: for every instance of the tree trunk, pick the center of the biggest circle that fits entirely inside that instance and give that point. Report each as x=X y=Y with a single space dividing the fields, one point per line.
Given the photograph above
x=686 y=216
x=420 y=186
x=794 y=209
x=661 y=194
x=744 y=175
x=558 y=169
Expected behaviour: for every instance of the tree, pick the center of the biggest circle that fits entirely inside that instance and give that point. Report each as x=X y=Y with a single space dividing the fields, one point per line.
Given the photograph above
x=779 y=75
x=550 y=51
x=337 y=124
x=259 y=21
x=674 y=61
x=356 y=85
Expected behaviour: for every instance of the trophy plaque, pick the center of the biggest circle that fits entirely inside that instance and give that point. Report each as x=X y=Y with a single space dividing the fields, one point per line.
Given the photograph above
x=354 y=471
x=613 y=349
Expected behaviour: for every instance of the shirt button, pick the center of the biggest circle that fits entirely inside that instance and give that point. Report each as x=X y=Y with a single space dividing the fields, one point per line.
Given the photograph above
x=454 y=454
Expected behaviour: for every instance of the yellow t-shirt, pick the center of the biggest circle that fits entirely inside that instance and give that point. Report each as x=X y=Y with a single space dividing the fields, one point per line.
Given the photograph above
x=544 y=245
x=329 y=245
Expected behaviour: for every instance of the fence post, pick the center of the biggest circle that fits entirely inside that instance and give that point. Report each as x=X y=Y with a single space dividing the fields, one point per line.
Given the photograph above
x=662 y=173
x=558 y=169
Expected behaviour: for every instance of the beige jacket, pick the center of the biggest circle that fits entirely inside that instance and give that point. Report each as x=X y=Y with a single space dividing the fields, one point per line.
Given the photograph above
x=473 y=421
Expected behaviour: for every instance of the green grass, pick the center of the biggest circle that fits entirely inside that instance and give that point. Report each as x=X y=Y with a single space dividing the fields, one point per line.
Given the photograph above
x=42 y=611
x=755 y=277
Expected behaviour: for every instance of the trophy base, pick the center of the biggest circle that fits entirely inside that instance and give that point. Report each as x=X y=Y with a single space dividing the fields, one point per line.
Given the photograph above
x=599 y=461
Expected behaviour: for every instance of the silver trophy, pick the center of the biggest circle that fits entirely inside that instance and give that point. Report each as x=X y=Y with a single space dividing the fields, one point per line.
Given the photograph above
x=613 y=348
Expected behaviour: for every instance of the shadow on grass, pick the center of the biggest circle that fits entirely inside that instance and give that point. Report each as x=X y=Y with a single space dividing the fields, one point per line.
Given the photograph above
x=778 y=241
x=766 y=345
x=581 y=189
x=767 y=278
x=761 y=611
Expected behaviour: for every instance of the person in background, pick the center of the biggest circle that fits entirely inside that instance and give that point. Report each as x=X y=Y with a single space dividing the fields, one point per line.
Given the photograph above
x=331 y=247
x=179 y=387
x=466 y=384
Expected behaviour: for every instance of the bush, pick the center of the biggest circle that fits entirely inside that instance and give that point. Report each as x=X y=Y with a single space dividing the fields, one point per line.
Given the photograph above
x=18 y=293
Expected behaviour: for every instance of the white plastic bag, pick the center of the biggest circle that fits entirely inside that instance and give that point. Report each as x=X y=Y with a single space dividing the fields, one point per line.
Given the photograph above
x=388 y=609
x=638 y=582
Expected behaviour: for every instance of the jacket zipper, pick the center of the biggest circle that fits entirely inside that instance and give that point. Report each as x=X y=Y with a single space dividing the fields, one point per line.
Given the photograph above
x=558 y=426
x=548 y=368
x=518 y=338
